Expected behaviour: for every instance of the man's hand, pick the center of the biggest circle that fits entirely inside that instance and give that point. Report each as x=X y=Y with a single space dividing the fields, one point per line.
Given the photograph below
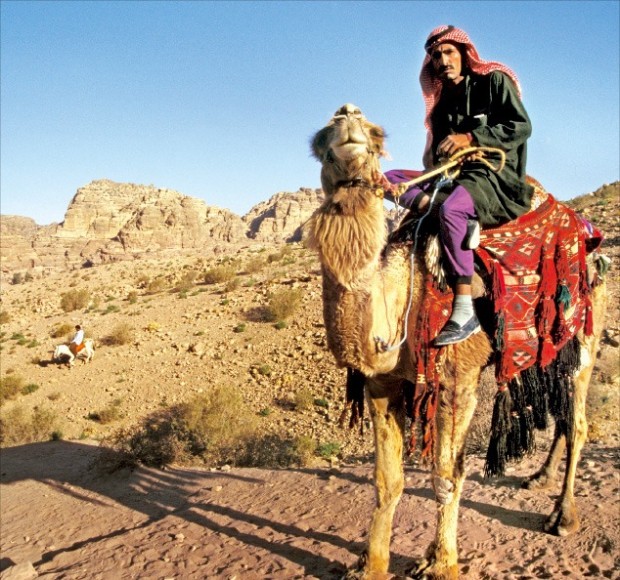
x=454 y=143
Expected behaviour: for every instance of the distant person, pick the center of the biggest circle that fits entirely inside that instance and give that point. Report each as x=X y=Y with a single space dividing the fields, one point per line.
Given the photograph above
x=469 y=102
x=77 y=342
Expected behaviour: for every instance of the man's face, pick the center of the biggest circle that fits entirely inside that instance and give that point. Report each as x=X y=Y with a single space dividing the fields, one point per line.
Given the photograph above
x=447 y=63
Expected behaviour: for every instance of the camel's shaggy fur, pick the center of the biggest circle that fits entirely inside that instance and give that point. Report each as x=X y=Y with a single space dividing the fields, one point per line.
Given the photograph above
x=365 y=294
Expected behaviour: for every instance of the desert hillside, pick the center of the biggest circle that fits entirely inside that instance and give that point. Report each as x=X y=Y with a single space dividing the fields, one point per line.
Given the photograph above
x=242 y=314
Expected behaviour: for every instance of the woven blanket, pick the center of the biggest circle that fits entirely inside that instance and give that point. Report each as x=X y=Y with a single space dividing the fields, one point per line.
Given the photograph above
x=540 y=289
x=540 y=294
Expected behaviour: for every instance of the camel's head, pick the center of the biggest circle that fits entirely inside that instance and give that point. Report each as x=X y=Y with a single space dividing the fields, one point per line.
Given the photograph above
x=348 y=147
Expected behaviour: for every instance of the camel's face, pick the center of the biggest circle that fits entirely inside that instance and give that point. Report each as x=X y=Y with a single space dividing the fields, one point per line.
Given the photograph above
x=349 y=148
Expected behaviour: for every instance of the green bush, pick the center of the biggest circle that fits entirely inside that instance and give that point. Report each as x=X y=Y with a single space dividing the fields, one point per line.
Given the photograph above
x=327 y=450
x=74 y=300
x=29 y=388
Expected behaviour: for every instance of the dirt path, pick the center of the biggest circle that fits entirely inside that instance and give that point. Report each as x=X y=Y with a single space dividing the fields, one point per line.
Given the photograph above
x=70 y=522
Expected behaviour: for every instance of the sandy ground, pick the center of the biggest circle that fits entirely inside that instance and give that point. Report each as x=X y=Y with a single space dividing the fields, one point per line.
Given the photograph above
x=68 y=521
x=61 y=518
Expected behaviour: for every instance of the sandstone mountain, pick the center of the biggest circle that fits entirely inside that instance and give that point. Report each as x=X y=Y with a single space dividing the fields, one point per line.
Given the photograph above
x=108 y=221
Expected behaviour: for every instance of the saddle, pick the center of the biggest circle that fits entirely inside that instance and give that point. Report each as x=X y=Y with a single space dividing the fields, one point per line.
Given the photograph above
x=532 y=292
x=532 y=285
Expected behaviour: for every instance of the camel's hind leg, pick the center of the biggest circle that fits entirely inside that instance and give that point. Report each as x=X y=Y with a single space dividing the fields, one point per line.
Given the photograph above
x=546 y=476
x=456 y=408
x=564 y=520
x=386 y=407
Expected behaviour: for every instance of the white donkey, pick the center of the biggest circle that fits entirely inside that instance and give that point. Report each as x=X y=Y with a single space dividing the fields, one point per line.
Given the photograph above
x=63 y=353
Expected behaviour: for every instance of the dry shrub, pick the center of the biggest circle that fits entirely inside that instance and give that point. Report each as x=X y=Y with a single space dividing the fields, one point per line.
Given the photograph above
x=152 y=326
x=61 y=330
x=273 y=451
x=10 y=386
x=159 y=284
x=283 y=304
x=284 y=252
x=18 y=428
x=121 y=334
x=74 y=300
x=111 y=413
x=187 y=282
x=219 y=274
x=5 y=317
x=303 y=399
x=254 y=265
x=213 y=428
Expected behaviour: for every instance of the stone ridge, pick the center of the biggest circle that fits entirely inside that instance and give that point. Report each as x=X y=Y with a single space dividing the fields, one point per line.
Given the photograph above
x=109 y=221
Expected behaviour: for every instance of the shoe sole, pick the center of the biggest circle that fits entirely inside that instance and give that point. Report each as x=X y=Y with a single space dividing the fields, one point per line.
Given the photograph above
x=474 y=331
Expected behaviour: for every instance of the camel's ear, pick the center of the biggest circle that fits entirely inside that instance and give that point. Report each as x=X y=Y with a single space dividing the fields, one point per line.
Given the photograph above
x=320 y=143
x=377 y=137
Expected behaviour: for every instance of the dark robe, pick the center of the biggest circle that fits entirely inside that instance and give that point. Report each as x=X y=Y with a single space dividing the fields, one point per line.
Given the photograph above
x=488 y=107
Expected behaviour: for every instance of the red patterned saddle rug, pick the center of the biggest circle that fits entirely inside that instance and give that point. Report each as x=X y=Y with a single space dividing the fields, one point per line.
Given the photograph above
x=541 y=299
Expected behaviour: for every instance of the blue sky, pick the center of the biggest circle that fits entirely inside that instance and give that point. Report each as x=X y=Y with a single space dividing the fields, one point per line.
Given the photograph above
x=218 y=100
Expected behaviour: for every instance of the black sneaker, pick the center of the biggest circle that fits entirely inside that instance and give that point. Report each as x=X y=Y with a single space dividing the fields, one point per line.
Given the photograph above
x=452 y=332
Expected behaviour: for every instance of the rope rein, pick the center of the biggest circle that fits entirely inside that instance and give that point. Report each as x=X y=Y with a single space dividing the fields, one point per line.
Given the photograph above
x=467 y=154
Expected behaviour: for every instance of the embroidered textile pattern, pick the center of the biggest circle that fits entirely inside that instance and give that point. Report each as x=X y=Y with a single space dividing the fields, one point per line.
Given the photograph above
x=541 y=300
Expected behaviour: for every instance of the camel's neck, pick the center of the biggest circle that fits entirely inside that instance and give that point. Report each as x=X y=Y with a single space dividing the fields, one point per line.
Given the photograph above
x=349 y=231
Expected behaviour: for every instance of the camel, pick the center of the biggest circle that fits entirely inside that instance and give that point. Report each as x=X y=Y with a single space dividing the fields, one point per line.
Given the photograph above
x=366 y=292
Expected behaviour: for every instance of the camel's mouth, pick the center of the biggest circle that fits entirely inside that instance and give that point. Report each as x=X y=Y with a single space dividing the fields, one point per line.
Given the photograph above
x=350 y=150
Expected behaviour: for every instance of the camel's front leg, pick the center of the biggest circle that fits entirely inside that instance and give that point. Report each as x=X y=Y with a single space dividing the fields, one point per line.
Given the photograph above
x=457 y=404
x=386 y=408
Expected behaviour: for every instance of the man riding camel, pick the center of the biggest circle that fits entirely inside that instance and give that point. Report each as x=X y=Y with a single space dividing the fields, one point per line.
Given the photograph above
x=469 y=102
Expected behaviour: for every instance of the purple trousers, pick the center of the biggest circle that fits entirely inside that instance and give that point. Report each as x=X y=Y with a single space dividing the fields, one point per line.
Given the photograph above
x=453 y=215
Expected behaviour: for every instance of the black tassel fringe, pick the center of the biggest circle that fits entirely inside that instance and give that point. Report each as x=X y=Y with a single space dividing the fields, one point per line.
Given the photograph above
x=523 y=405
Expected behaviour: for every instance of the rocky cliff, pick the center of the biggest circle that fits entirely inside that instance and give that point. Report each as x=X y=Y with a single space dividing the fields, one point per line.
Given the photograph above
x=109 y=221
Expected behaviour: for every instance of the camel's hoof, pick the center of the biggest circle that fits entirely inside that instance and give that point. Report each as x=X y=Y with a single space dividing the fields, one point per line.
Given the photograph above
x=538 y=482
x=444 y=490
x=427 y=570
x=562 y=523
x=361 y=572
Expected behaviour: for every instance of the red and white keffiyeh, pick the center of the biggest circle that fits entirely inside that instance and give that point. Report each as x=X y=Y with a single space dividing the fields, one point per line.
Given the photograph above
x=431 y=85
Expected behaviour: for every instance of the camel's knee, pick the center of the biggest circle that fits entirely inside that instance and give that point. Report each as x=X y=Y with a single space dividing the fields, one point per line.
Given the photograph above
x=444 y=490
x=389 y=489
